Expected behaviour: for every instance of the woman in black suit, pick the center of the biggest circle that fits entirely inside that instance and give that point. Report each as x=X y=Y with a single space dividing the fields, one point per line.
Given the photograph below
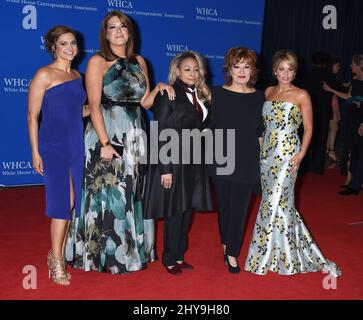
x=237 y=105
x=175 y=186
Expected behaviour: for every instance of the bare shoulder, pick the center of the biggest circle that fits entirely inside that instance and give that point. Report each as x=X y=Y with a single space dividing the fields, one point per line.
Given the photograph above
x=97 y=61
x=302 y=95
x=140 y=59
x=43 y=73
x=43 y=77
x=96 y=65
x=268 y=91
x=76 y=73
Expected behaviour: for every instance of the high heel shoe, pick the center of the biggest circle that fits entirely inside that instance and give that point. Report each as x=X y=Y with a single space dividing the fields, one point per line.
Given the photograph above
x=331 y=154
x=225 y=259
x=231 y=268
x=56 y=270
x=185 y=265
x=174 y=270
x=349 y=191
x=69 y=276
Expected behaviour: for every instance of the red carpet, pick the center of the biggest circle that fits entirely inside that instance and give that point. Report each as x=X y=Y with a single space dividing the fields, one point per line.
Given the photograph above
x=24 y=235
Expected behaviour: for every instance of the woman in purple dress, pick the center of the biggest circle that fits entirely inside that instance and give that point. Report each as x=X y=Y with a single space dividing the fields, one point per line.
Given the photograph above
x=58 y=147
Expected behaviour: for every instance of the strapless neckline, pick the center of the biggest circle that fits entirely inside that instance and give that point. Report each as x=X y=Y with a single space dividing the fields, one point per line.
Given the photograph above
x=282 y=101
x=65 y=82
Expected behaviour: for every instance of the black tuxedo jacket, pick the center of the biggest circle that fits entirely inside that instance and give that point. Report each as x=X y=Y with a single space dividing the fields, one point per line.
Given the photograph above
x=190 y=188
x=178 y=114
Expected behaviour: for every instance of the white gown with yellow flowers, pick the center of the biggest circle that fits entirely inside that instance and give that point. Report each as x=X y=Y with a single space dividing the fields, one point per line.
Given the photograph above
x=281 y=242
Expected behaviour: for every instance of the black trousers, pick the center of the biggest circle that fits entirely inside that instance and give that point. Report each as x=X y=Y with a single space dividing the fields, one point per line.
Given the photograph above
x=175 y=238
x=233 y=199
x=343 y=135
x=351 y=150
x=318 y=143
x=357 y=178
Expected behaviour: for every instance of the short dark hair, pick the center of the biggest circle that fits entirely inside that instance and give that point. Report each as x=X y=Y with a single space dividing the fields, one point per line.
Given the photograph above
x=105 y=49
x=53 y=35
x=234 y=56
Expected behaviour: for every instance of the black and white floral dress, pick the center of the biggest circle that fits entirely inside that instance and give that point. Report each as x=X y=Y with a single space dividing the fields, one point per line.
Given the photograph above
x=111 y=235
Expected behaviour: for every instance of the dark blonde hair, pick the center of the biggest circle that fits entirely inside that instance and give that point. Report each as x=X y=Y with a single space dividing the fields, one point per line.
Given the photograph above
x=285 y=55
x=53 y=35
x=358 y=60
x=105 y=49
x=234 y=56
x=203 y=90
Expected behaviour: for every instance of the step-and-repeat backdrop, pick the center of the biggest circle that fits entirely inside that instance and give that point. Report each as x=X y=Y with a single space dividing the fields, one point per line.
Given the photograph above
x=164 y=28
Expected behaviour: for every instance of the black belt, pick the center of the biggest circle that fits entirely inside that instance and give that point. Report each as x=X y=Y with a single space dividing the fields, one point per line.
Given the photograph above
x=129 y=105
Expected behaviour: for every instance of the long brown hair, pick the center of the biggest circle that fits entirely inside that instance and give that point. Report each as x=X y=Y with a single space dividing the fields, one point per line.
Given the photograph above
x=105 y=49
x=203 y=90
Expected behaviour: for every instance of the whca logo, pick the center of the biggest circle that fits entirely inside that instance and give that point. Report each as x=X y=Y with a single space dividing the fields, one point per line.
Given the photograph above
x=120 y=4
x=207 y=11
x=176 y=47
x=173 y=49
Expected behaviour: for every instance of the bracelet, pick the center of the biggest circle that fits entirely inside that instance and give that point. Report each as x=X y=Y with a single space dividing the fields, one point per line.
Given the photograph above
x=107 y=143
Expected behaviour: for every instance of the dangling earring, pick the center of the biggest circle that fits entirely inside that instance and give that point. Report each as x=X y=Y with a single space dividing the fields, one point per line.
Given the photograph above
x=54 y=54
x=274 y=75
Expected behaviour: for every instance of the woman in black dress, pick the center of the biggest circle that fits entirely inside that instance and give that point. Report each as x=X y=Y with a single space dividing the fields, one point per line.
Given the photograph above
x=237 y=105
x=174 y=188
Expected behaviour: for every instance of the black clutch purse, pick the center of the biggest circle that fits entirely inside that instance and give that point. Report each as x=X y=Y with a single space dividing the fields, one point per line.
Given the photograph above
x=119 y=149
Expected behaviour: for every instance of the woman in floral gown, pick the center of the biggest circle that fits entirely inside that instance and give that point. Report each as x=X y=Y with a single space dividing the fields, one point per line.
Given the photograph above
x=111 y=234
x=281 y=242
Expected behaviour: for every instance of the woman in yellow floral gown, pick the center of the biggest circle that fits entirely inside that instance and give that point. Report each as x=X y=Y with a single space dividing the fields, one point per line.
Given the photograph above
x=281 y=242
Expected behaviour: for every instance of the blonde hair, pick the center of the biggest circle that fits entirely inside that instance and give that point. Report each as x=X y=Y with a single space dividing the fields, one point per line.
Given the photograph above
x=203 y=90
x=285 y=55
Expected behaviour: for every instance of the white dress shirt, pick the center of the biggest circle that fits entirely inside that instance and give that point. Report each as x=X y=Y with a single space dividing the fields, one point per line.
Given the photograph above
x=190 y=97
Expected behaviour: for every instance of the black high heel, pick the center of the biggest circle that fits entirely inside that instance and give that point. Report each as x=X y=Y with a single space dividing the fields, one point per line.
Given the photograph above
x=334 y=158
x=174 y=270
x=225 y=259
x=231 y=268
x=349 y=191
